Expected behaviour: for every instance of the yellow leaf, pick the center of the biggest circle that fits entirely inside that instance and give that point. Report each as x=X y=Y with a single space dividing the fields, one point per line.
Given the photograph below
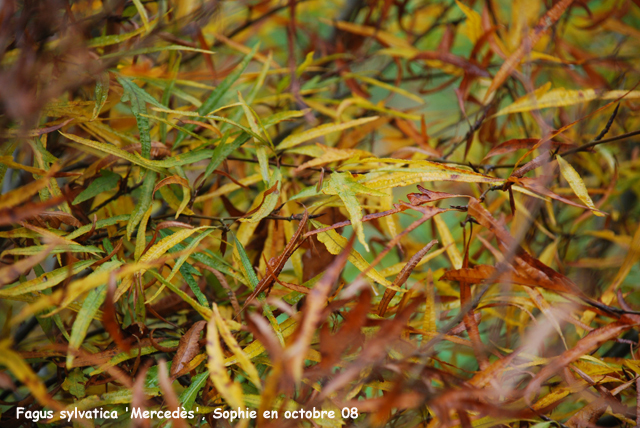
x=386 y=86
x=386 y=38
x=141 y=237
x=296 y=139
x=143 y=14
x=167 y=242
x=332 y=155
x=336 y=243
x=410 y=53
x=524 y=14
x=116 y=151
x=229 y=187
x=576 y=183
x=65 y=297
x=45 y=281
x=230 y=390
x=23 y=193
x=261 y=149
x=308 y=60
x=417 y=172
x=448 y=242
x=23 y=372
x=561 y=97
x=366 y=104
x=232 y=344
x=473 y=25
x=170 y=198
x=204 y=311
x=154 y=253
x=270 y=200
x=9 y=162
x=429 y=319
x=346 y=187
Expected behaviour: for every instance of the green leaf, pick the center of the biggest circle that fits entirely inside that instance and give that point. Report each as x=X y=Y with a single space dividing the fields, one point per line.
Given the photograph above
x=107 y=181
x=139 y=98
x=113 y=39
x=187 y=270
x=346 y=187
x=213 y=101
x=146 y=196
x=204 y=311
x=222 y=150
x=74 y=383
x=188 y=396
x=193 y=284
x=261 y=149
x=248 y=270
x=178 y=160
x=90 y=307
x=106 y=222
x=101 y=93
x=186 y=253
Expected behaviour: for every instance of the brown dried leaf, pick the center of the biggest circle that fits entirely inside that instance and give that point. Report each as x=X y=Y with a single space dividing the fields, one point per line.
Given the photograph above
x=187 y=349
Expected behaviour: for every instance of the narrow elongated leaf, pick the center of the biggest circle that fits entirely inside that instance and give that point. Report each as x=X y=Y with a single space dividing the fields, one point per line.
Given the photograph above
x=189 y=395
x=346 y=187
x=116 y=151
x=187 y=349
x=107 y=181
x=270 y=198
x=213 y=100
x=222 y=150
x=543 y=27
x=90 y=306
x=204 y=311
x=447 y=240
x=241 y=357
x=146 y=197
x=138 y=99
x=576 y=183
x=261 y=149
x=248 y=270
x=322 y=130
x=335 y=243
x=230 y=390
x=188 y=252
x=46 y=280
x=562 y=97
x=23 y=372
x=101 y=93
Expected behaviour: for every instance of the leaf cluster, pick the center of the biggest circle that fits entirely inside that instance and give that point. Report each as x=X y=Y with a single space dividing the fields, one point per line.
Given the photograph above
x=425 y=211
